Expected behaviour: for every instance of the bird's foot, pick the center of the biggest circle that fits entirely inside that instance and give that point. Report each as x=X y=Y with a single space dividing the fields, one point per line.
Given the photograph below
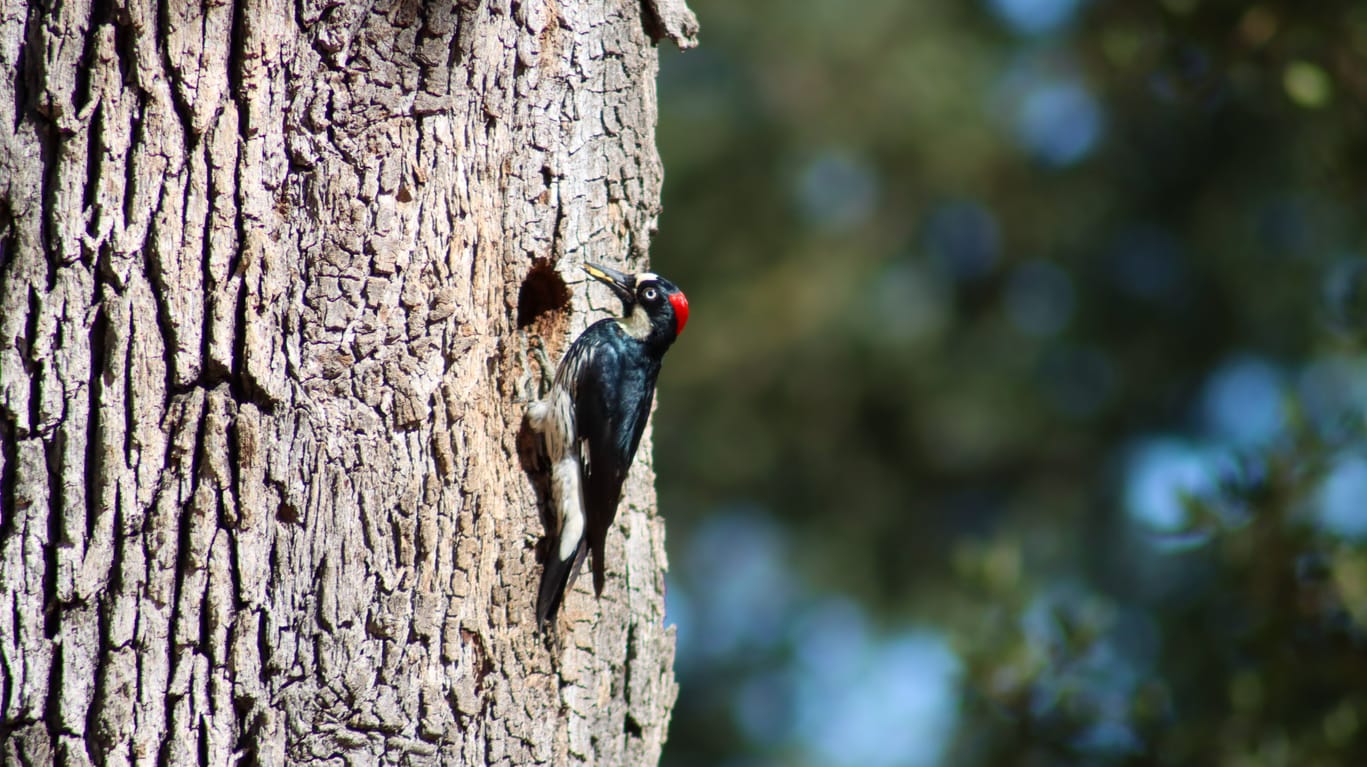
x=547 y=377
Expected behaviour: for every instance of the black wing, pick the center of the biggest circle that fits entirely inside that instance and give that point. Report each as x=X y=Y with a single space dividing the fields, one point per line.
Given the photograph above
x=612 y=405
x=559 y=574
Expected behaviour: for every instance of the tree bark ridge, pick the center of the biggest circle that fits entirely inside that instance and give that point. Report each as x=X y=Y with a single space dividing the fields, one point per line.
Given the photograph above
x=263 y=363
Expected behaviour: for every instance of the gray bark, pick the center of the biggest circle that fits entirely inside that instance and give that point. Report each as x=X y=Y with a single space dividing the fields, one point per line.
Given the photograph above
x=269 y=273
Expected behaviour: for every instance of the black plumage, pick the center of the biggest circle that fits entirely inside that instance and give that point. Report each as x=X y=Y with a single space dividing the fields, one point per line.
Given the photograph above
x=592 y=419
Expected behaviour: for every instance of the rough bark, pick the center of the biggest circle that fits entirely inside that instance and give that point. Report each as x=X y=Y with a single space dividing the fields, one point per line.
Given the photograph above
x=269 y=272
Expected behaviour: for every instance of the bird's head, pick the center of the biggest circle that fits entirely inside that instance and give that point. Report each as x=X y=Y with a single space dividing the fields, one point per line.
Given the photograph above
x=655 y=309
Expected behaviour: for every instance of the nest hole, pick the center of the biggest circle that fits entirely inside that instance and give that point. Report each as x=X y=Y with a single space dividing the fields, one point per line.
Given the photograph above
x=543 y=293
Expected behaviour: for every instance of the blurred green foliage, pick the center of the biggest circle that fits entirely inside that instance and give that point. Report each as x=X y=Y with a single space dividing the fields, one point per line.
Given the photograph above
x=1036 y=322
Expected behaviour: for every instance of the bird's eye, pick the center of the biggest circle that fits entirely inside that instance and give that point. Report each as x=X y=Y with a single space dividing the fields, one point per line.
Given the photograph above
x=650 y=294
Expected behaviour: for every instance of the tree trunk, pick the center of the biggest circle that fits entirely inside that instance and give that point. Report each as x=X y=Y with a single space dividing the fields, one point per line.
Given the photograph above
x=269 y=274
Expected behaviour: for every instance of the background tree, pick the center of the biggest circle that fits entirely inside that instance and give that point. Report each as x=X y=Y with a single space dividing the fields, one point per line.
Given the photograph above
x=268 y=272
x=1025 y=422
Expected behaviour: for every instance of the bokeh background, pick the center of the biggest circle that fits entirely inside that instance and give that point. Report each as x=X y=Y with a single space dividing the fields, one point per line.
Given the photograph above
x=1020 y=420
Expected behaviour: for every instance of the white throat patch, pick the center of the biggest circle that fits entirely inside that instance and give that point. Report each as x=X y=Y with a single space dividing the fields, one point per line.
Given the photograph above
x=636 y=324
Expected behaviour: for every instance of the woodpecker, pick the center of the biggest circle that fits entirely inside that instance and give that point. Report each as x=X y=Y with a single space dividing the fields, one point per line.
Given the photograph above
x=591 y=421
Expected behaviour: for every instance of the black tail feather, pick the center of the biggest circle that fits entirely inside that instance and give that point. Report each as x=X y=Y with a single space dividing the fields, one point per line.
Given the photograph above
x=598 y=538
x=557 y=579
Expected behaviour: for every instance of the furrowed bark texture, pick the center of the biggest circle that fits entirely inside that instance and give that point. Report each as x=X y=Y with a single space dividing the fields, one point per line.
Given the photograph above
x=269 y=273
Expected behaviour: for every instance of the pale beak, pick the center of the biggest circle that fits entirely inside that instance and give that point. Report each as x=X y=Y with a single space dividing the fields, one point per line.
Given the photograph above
x=624 y=285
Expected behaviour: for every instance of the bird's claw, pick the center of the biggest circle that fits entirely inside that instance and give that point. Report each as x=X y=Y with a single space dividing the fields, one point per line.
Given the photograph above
x=547 y=378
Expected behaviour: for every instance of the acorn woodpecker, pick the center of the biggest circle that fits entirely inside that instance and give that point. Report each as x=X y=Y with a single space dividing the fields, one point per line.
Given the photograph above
x=592 y=418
